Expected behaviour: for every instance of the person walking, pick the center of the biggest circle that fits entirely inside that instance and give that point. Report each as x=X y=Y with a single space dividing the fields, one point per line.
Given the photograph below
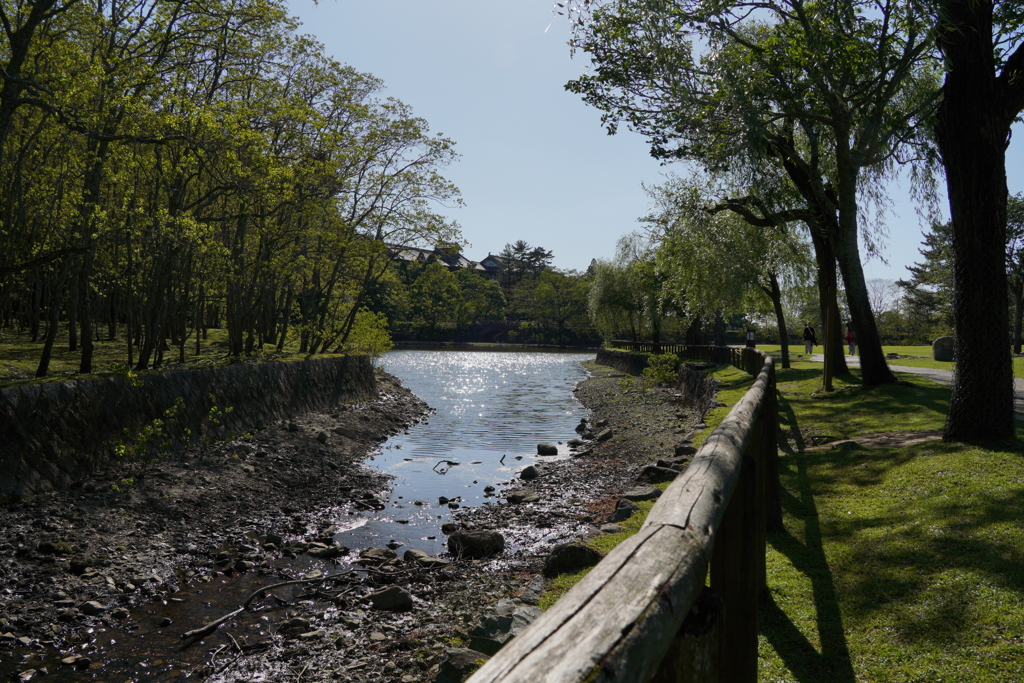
x=851 y=339
x=810 y=340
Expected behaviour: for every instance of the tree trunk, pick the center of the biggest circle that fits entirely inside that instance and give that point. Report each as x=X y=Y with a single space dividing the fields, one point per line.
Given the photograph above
x=1018 y=312
x=873 y=368
x=774 y=292
x=56 y=300
x=825 y=262
x=972 y=129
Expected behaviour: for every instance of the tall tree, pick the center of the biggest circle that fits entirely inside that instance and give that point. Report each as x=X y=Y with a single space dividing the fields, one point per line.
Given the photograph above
x=982 y=95
x=833 y=91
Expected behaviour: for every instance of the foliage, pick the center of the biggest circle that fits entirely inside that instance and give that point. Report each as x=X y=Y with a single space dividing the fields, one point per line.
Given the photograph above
x=828 y=96
x=369 y=335
x=168 y=166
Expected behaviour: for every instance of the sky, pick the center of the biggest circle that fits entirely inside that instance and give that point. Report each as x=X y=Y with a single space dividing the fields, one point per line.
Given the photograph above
x=536 y=164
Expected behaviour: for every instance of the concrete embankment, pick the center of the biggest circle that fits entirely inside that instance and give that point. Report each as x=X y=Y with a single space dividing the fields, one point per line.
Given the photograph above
x=56 y=433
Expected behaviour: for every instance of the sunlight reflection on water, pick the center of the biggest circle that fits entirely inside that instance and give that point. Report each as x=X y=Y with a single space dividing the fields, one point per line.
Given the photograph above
x=489 y=404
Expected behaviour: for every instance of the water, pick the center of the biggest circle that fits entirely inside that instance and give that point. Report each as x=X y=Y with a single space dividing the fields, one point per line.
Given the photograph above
x=492 y=409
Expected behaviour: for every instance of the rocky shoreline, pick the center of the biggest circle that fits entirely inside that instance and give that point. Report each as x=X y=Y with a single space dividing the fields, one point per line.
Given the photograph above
x=102 y=581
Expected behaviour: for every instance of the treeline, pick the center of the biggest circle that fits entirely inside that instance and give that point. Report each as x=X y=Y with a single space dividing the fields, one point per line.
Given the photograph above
x=169 y=165
x=433 y=302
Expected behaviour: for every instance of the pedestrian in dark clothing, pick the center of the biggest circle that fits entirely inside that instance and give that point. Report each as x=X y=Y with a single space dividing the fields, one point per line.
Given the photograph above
x=810 y=340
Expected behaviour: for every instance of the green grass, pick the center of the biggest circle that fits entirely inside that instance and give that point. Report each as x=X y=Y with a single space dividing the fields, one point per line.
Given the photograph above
x=19 y=357
x=921 y=357
x=900 y=564
x=897 y=564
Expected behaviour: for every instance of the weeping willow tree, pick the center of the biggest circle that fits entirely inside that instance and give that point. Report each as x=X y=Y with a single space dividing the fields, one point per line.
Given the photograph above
x=717 y=261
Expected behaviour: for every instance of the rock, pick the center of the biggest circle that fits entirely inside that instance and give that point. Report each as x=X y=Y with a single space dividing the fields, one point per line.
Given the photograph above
x=394 y=598
x=582 y=426
x=476 y=543
x=642 y=493
x=570 y=557
x=547 y=449
x=492 y=633
x=458 y=664
x=604 y=435
x=943 y=348
x=601 y=424
x=673 y=463
x=611 y=529
x=412 y=555
x=624 y=509
x=575 y=443
x=275 y=539
x=92 y=608
x=655 y=474
x=79 y=563
x=321 y=437
x=313 y=635
x=120 y=613
x=685 y=449
x=488 y=489
x=292 y=427
x=529 y=472
x=329 y=552
x=522 y=496
x=346 y=432
x=449 y=528
x=533 y=591
x=378 y=554
x=442 y=500
x=377 y=637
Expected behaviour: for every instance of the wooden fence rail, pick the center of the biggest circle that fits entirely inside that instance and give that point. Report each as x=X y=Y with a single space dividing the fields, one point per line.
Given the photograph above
x=644 y=613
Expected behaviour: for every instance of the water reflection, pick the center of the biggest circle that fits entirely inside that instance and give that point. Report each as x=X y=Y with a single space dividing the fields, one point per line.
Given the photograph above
x=492 y=409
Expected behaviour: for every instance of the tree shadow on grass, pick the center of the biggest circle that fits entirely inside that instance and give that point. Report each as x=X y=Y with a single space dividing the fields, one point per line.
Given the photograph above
x=804 y=660
x=800 y=656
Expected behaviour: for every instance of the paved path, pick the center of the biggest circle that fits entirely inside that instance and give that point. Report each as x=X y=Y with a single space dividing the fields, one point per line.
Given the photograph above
x=940 y=376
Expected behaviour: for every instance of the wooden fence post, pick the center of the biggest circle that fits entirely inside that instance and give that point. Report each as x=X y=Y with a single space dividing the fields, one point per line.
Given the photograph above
x=736 y=576
x=770 y=442
x=693 y=656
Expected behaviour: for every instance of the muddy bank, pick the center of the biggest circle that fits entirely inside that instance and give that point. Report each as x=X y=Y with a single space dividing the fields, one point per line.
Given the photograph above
x=97 y=583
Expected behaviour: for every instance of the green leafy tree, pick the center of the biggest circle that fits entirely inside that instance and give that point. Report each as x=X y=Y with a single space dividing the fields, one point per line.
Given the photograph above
x=834 y=93
x=435 y=297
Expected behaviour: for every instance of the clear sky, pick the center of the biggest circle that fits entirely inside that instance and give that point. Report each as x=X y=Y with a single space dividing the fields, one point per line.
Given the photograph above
x=536 y=164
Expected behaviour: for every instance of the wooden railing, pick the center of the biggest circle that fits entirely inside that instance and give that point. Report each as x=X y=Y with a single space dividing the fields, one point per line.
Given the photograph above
x=746 y=359
x=644 y=612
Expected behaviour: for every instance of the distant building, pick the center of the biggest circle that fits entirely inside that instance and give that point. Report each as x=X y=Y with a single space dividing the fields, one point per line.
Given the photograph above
x=448 y=256
x=492 y=265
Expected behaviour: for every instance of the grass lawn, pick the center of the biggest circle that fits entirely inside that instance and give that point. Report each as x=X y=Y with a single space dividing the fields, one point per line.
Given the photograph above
x=897 y=564
x=900 y=564
x=921 y=356
x=19 y=357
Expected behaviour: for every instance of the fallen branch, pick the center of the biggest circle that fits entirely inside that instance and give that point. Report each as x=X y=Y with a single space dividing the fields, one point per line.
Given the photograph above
x=210 y=627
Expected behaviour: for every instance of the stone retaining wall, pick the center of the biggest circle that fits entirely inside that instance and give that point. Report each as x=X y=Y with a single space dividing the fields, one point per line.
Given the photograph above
x=624 y=361
x=55 y=433
x=697 y=388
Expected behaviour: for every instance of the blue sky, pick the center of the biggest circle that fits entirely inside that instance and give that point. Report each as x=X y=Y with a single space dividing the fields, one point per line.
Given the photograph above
x=535 y=162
